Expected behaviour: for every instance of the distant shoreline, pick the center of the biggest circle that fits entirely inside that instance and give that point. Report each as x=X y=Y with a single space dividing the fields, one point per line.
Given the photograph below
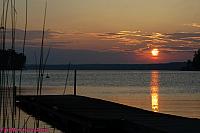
x=161 y=66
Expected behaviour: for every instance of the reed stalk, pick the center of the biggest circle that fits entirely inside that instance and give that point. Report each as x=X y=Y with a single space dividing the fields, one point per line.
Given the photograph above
x=23 y=50
x=13 y=91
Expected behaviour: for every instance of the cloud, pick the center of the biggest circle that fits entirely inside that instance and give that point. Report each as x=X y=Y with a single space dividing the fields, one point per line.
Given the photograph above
x=194 y=25
x=137 y=43
x=141 y=42
x=34 y=38
x=31 y=34
x=63 y=56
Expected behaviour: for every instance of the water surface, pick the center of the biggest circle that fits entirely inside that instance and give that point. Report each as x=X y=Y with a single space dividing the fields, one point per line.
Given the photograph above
x=172 y=92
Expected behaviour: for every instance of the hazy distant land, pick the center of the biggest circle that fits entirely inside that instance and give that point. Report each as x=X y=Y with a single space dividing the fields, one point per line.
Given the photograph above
x=161 y=66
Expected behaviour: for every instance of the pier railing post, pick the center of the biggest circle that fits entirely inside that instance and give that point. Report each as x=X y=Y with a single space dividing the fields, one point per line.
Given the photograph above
x=75 y=82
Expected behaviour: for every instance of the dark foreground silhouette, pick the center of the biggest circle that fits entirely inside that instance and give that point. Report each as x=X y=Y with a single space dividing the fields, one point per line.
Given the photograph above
x=78 y=114
x=9 y=59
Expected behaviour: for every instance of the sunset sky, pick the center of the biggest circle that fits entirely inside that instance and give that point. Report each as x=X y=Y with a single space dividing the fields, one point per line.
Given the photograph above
x=112 y=31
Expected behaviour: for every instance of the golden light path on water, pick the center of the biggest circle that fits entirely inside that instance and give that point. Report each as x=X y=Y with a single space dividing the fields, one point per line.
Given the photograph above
x=155 y=91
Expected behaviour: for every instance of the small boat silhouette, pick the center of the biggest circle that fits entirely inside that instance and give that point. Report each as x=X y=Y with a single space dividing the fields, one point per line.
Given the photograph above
x=47 y=76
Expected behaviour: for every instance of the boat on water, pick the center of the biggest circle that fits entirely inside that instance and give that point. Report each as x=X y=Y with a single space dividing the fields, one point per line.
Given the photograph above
x=47 y=76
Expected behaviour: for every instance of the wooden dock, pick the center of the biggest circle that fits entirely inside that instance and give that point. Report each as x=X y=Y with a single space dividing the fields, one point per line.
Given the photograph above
x=79 y=114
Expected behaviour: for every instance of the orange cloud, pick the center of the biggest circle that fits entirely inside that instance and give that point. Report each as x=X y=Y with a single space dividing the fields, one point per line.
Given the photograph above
x=194 y=25
x=137 y=42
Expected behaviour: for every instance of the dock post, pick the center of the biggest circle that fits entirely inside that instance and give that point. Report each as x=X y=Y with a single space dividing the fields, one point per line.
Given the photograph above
x=75 y=82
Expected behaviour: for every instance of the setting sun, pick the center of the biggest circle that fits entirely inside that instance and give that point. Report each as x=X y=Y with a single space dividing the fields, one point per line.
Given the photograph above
x=155 y=52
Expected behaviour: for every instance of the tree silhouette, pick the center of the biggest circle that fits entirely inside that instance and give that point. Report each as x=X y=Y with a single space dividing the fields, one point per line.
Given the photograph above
x=196 y=60
x=188 y=65
x=9 y=59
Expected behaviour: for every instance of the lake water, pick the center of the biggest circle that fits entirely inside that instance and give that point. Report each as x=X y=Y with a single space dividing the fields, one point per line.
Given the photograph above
x=171 y=92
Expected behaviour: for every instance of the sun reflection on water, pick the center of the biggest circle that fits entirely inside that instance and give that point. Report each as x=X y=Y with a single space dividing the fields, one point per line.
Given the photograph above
x=155 y=91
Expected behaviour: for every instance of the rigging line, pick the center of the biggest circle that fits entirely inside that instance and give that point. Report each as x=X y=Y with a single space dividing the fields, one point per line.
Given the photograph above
x=40 y=75
x=42 y=50
x=66 y=80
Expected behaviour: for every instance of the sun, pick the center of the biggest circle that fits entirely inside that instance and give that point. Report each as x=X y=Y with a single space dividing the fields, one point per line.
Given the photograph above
x=155 y=52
